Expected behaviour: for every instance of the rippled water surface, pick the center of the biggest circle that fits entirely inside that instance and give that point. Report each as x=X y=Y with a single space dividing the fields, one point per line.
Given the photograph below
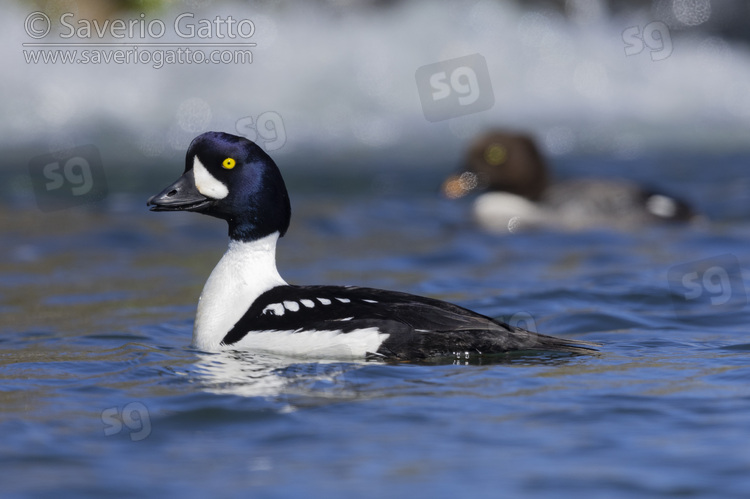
x=101 y=393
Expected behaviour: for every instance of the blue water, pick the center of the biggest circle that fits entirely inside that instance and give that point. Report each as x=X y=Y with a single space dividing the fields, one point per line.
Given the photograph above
x=102 y=394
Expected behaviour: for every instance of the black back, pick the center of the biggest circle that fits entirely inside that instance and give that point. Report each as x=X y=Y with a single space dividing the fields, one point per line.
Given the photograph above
x=418 y=327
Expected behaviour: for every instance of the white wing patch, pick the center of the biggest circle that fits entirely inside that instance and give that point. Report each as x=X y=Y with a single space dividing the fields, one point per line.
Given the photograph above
x=298 y=343
x=370 y=301
x=275 y=309
x=279 y=309
x=292 y=306
x=207 y=184
x=661 y=206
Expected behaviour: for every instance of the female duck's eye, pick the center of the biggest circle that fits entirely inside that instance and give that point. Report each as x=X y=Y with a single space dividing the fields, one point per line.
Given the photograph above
x=495 y=154
x=229 y=163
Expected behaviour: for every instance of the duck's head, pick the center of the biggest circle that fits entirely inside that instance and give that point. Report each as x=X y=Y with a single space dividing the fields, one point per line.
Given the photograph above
x=500 y=161
x=232 y=178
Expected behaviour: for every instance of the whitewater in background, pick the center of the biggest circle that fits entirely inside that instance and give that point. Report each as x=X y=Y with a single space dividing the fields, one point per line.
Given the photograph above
x=344 y=80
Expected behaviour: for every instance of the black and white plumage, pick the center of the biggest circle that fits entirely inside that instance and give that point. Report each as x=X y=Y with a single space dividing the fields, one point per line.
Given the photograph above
x=246 y=305
x=512 y=178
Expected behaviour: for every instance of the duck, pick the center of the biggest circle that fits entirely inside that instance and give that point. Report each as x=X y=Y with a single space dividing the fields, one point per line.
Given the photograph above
x=514 y=190
x=246 y=305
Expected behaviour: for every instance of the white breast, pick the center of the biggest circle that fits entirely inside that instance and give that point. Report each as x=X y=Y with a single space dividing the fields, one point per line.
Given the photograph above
x=505 y=212
x=247 y=270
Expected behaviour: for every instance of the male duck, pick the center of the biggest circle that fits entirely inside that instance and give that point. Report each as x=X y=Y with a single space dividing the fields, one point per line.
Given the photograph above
x=246 y=305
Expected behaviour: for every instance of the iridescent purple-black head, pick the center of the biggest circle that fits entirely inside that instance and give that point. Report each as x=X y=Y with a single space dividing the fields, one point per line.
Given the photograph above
x=232 y=178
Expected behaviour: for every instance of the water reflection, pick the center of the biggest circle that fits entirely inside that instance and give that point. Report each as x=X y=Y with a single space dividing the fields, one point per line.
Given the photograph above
x=296 y=382
x=293 y=380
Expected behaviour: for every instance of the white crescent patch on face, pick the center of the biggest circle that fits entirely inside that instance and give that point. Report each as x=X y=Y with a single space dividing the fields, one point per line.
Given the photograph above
x=207 y=184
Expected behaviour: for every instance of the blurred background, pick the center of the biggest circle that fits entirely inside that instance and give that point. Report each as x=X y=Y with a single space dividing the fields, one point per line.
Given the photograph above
x=332 y=83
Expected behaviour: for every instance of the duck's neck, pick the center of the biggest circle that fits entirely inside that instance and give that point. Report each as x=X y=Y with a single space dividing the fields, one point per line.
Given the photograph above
x=247 y=270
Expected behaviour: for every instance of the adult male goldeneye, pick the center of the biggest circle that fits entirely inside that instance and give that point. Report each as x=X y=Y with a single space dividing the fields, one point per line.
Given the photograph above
x=246 y=305
x=512 y=174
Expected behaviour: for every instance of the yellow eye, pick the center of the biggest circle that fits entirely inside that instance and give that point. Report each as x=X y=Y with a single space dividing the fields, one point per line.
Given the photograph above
x=229 y=163
x=495 y=154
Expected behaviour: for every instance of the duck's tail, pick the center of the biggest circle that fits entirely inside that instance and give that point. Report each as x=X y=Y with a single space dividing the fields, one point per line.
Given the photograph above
x=552 y=343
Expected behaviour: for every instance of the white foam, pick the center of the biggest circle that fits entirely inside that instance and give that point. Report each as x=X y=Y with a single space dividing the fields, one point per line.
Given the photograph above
x=546 y=71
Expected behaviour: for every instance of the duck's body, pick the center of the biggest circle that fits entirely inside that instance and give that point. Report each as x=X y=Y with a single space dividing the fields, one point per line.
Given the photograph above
x=246 y=305
x=516 y=193
x=340 y=321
